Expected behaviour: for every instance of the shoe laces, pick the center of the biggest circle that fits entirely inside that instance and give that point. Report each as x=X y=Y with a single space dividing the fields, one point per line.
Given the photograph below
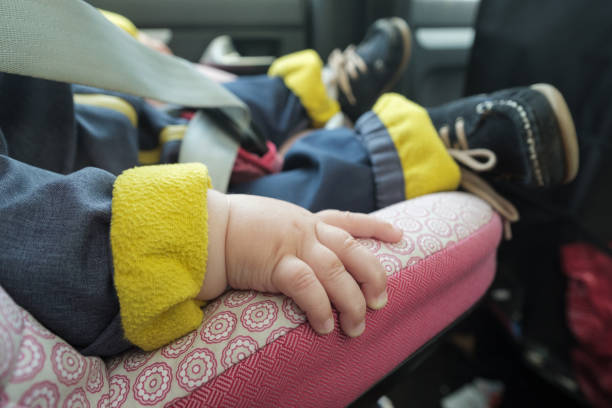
x=346 y=65
x=473 y=161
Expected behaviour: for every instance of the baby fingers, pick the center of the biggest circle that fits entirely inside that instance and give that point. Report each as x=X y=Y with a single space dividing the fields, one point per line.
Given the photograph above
x=296 y=279
x=361 y=225
x=363 y=266
x=340 y=286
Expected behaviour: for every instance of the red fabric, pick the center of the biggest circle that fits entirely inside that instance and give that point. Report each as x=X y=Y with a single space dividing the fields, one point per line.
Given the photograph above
x=188 y=115
x=249 y=166
x=307 y=370
x=589 y=314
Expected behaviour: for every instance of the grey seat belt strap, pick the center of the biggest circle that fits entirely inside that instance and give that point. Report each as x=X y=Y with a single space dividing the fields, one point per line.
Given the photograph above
x=70 y=41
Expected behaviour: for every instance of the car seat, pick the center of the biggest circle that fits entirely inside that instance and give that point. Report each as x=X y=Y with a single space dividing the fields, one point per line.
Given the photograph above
x=252 y=349
x=256 y=349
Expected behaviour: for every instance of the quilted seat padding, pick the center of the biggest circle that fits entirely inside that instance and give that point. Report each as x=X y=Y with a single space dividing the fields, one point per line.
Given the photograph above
x=256 y=349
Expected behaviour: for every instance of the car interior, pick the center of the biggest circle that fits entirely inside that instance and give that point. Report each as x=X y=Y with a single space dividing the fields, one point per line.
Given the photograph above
x=537 y=327
x=443 y=32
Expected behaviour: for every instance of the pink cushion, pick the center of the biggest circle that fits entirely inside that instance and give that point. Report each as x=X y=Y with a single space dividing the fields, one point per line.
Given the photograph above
x=444 y=264
x=256 y=349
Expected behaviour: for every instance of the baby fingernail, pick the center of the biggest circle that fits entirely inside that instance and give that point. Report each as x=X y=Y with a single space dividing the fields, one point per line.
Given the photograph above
x=358 y=329
x=328 y=326
x=380 y=301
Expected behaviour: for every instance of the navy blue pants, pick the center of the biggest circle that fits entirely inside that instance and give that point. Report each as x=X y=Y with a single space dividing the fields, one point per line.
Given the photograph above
x=324 y=169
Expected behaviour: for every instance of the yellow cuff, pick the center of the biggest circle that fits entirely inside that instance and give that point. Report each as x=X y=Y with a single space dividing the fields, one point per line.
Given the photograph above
x=301 y=72
x=121 y=22
x=426 y=165
x=159 y=239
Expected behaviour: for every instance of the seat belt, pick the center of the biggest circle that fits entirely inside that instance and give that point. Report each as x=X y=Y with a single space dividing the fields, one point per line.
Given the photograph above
x=71 y=41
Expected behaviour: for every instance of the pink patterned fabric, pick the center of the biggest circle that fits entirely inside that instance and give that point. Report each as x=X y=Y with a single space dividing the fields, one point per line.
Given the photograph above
x=256 y=349
x=444 y=264
x=37 y=369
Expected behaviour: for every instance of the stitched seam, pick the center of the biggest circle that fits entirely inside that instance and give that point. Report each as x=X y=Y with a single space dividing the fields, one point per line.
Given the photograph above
x=487 y=105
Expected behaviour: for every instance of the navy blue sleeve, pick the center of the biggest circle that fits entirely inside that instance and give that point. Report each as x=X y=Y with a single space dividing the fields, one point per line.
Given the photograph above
x=55 y=257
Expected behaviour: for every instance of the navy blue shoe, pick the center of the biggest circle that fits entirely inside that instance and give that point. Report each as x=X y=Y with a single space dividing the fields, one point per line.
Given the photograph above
x=364 y=72
x=520 y=135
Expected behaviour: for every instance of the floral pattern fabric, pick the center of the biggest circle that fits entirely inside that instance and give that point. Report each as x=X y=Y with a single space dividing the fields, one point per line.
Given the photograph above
x=39 y=369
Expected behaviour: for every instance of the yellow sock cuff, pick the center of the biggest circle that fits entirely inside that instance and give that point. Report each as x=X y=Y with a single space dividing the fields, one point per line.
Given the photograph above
x=159 y=239
x=426 y=165
x=301 y=72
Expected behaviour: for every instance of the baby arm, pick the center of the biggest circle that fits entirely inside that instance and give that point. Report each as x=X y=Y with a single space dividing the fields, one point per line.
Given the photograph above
x=274 y=246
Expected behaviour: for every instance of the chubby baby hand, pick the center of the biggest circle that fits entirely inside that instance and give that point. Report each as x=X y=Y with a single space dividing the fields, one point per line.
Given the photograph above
x=274 y=246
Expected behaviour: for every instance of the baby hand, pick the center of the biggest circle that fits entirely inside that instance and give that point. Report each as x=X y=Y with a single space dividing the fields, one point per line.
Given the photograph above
x=274 y=246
